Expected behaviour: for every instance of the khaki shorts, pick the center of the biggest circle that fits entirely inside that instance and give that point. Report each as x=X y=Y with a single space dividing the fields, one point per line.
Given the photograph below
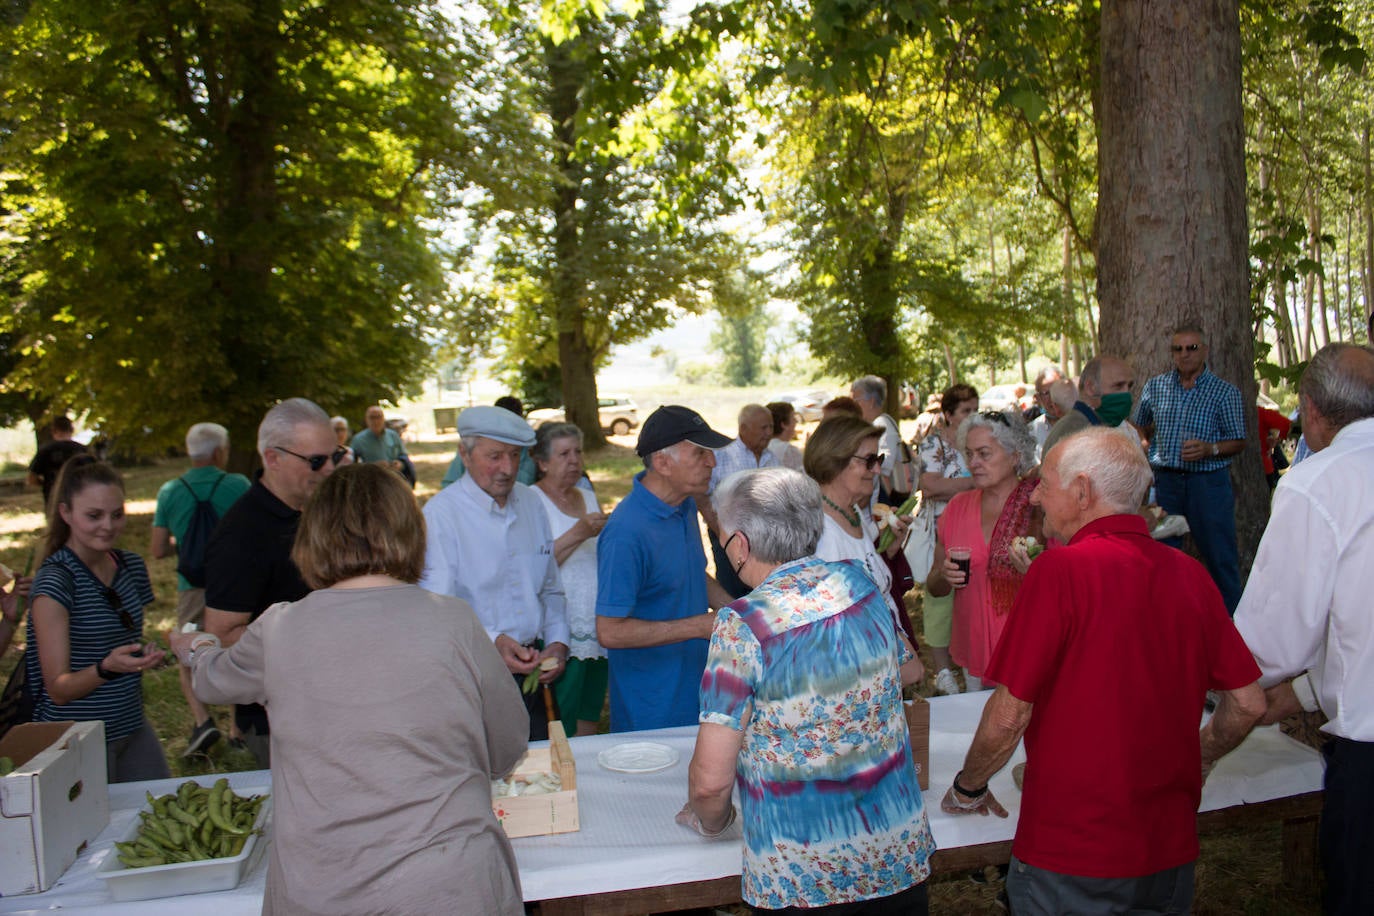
x=190 y=606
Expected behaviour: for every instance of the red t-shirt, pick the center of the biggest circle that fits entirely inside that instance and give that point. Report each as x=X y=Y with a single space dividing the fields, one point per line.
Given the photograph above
x=1116 y=640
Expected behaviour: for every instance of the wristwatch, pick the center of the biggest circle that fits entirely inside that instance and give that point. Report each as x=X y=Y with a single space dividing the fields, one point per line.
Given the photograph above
x=105 y=675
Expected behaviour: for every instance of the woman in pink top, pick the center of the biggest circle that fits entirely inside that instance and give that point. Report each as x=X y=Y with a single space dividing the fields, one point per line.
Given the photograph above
x=983 y=521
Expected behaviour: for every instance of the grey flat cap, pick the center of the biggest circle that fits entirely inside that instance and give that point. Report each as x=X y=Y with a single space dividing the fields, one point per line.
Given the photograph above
x=495 y=423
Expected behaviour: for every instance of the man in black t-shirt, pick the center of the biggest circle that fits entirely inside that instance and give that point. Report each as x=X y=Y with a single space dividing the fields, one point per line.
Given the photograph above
x=248 y=564
x=52 y=455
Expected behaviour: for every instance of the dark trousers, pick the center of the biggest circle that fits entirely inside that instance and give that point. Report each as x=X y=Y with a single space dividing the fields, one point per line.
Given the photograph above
x=725 y=573
x=1034 y=891
x=534 y=705
x=914 y=901
x=1206 y=500
x=1347 y=828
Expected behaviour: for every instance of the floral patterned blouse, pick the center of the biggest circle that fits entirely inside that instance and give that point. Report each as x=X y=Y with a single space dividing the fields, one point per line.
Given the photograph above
x=806 y=665
x=939 y=457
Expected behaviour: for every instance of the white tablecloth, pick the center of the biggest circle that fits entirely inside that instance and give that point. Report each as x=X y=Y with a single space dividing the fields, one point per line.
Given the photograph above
x=628 y=838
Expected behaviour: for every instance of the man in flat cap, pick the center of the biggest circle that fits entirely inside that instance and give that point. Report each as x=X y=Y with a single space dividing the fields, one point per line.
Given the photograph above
x=653 y=597
x=489 y=543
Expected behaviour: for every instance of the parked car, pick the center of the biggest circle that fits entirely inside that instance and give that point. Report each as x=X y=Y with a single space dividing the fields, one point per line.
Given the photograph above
x=807 y=404
x=619 y=414
x=1000 y=397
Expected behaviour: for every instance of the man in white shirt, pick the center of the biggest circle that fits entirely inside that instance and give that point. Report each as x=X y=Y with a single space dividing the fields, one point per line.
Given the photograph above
x=749 y=451
x=489 y=543
x=871 y=394
x=1306 y=607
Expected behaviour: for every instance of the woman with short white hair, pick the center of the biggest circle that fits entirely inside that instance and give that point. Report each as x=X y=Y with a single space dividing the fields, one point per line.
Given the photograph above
x=802 y=702
x=981 y=525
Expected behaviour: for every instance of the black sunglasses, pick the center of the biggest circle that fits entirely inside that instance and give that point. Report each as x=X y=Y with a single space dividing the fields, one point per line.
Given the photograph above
x=117 y=603
x=996 y=416
x=315 y=461
x=1191 y=348
x=870 y=461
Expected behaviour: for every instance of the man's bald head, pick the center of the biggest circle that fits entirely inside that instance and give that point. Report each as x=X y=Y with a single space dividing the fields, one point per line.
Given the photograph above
x=755 y=427
x=1104 y=375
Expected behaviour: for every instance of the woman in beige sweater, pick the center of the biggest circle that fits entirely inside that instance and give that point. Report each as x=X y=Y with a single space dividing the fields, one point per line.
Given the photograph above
x=391 y=712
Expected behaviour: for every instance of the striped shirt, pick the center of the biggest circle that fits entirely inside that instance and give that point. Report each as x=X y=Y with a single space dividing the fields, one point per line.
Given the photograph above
x=1211 y=411
x=94 y=628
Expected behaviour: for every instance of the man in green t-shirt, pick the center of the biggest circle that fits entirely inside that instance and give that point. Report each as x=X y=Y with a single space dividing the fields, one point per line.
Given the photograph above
x=208 y=446
x=379 y=444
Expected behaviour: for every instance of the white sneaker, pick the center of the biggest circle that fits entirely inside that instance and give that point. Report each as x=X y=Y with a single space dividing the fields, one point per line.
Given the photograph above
x=946 y=684
x=1170 y=526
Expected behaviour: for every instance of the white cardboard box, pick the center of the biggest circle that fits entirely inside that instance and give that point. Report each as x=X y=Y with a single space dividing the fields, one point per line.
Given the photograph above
x=53 y=804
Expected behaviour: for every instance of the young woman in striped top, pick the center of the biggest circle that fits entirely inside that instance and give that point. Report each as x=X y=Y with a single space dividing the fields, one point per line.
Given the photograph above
x=85 y=655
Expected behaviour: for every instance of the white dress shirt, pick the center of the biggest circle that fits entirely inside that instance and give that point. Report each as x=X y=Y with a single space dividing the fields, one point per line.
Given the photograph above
x=497 y=558
x=1307 y=603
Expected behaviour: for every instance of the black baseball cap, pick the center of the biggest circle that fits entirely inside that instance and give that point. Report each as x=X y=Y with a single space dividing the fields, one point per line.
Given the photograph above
x=671 y=424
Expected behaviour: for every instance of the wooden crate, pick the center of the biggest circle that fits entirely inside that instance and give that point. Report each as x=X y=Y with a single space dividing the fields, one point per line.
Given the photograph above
x=537 y=815
x=918 y=723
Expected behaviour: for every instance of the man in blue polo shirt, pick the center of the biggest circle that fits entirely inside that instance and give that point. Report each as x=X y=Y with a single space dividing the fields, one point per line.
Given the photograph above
x=653 y=596
x=1196 y=423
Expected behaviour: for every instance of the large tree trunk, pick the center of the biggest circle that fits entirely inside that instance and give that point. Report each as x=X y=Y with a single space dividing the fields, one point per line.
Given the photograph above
x=1171 y=202
x=576 y=354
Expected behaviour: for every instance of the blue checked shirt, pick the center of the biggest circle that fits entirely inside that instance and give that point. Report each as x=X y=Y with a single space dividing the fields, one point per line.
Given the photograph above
x=737 y=457
x=1211 y=411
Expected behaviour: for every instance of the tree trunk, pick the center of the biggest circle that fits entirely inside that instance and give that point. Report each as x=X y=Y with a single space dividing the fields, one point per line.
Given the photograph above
x=576 y=354
x=1171 y=202
x=246 y=255
x=1368 y=214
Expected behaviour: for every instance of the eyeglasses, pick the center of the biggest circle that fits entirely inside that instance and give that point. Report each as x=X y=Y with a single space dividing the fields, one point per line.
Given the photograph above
x=870 y=461
x=996 y=416
x=1191 y=348
x=315 y=461
x=117 y=603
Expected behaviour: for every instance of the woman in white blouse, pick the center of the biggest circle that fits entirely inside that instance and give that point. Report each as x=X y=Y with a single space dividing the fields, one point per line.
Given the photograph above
x=575 y=520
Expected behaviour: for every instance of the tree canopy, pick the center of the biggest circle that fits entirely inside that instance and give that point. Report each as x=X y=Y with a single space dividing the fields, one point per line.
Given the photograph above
x=213 y=205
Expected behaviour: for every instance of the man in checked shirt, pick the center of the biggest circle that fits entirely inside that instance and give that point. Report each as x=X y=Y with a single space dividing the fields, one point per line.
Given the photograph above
x=1196 y=423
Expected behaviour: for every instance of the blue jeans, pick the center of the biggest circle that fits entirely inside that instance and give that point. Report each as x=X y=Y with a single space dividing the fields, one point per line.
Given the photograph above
x=1206 y=500
x=1037 y=892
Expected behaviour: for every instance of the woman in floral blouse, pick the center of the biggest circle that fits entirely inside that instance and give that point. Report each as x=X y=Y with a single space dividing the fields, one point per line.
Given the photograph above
x=801 y=702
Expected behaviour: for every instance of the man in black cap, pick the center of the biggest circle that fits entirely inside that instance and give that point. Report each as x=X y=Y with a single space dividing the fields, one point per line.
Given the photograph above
x=654 y=599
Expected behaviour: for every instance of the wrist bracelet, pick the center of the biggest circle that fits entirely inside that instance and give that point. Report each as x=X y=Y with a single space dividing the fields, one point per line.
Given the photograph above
x=102 y=673
x=968 y=793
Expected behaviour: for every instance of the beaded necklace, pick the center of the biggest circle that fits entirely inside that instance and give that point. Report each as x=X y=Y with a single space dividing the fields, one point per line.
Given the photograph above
x=853 y=520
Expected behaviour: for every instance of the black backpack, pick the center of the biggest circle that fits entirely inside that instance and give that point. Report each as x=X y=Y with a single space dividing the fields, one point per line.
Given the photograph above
x=191 y=546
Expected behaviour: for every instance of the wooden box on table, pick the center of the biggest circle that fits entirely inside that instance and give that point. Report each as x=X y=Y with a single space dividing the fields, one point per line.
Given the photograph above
x=917 y=713
x=53 y=804
x=555 y=812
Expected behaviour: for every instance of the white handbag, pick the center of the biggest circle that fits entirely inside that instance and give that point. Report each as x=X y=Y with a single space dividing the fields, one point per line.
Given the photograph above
x=920 y=544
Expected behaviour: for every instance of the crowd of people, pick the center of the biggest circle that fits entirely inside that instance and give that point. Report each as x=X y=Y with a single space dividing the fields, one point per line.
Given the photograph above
x=357 y=634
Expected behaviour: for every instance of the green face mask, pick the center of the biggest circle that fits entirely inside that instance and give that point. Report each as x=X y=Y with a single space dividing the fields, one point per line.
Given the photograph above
x=1115 y=407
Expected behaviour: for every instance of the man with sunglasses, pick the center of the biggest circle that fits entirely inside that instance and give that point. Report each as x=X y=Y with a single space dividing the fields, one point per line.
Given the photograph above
x=248 y=565
x=1195 y=423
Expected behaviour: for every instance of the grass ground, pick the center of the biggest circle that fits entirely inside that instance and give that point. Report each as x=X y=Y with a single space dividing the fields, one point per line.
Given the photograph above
x=1238 y=872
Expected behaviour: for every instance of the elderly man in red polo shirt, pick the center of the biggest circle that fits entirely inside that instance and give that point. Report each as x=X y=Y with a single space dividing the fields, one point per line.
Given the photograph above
x=1110 y=649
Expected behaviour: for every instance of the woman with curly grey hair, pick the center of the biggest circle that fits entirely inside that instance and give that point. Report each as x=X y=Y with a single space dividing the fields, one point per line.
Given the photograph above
x=978 y=527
